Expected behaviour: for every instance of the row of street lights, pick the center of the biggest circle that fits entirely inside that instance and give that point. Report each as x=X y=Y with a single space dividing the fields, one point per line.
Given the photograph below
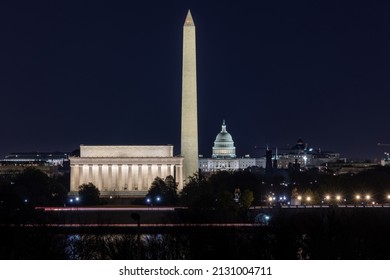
x=273 y=198
x=338 y=198
x=307 y=198
x=327 y=199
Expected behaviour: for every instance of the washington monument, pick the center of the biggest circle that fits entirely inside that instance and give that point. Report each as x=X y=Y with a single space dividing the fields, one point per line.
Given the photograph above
x=189 y=110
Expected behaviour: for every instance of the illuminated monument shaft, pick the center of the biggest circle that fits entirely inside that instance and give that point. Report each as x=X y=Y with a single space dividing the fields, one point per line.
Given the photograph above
x=189 y=115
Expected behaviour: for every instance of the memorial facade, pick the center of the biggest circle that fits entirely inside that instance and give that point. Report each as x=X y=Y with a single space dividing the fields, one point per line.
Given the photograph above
x=124 y=171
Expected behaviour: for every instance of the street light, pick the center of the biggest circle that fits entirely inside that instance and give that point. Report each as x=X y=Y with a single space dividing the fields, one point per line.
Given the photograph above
x=299 y=199
x=357 y=199
x=327 y=199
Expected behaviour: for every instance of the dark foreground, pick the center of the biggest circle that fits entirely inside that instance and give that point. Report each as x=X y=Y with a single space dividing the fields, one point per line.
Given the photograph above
x=332 y=233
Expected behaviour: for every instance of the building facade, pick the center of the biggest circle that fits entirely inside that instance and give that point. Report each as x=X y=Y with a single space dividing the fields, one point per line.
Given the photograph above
x=50 y=163
x=306 y=157
x=38 y=158
x=125 y=171
x=224 y=156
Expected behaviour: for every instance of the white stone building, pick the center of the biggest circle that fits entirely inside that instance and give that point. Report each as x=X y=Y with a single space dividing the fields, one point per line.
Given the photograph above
x=125 y=171
x=224 y=155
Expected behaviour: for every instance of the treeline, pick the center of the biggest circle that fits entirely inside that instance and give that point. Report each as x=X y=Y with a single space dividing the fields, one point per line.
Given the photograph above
x=32 y=188
x=222 y=190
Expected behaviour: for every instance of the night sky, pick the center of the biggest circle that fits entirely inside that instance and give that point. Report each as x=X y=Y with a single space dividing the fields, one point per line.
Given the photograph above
x=109 y=72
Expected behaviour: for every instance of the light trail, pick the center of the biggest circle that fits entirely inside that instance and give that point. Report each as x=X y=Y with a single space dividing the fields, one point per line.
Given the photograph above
x=59 y=209
x=48 y=209
x=320 y=206
x=141 y=225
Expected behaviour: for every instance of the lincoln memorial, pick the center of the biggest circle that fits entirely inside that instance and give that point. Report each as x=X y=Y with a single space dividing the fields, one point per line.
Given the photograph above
x=124 y=170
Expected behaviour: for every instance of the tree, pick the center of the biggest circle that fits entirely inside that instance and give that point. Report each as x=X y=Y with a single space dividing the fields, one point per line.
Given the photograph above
x=226 y=209
x=163 y=192
x=57 y=192
x=89 y=194
x=246 y=199
x=295 y=197
x=197 y=193
x=171 y=190
x=32 y=187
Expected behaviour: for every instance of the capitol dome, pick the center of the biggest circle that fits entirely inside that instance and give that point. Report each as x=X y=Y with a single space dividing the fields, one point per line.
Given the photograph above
x=224 y=145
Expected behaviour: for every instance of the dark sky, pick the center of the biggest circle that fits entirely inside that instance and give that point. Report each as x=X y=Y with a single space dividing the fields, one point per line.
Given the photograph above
x=109 y=72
